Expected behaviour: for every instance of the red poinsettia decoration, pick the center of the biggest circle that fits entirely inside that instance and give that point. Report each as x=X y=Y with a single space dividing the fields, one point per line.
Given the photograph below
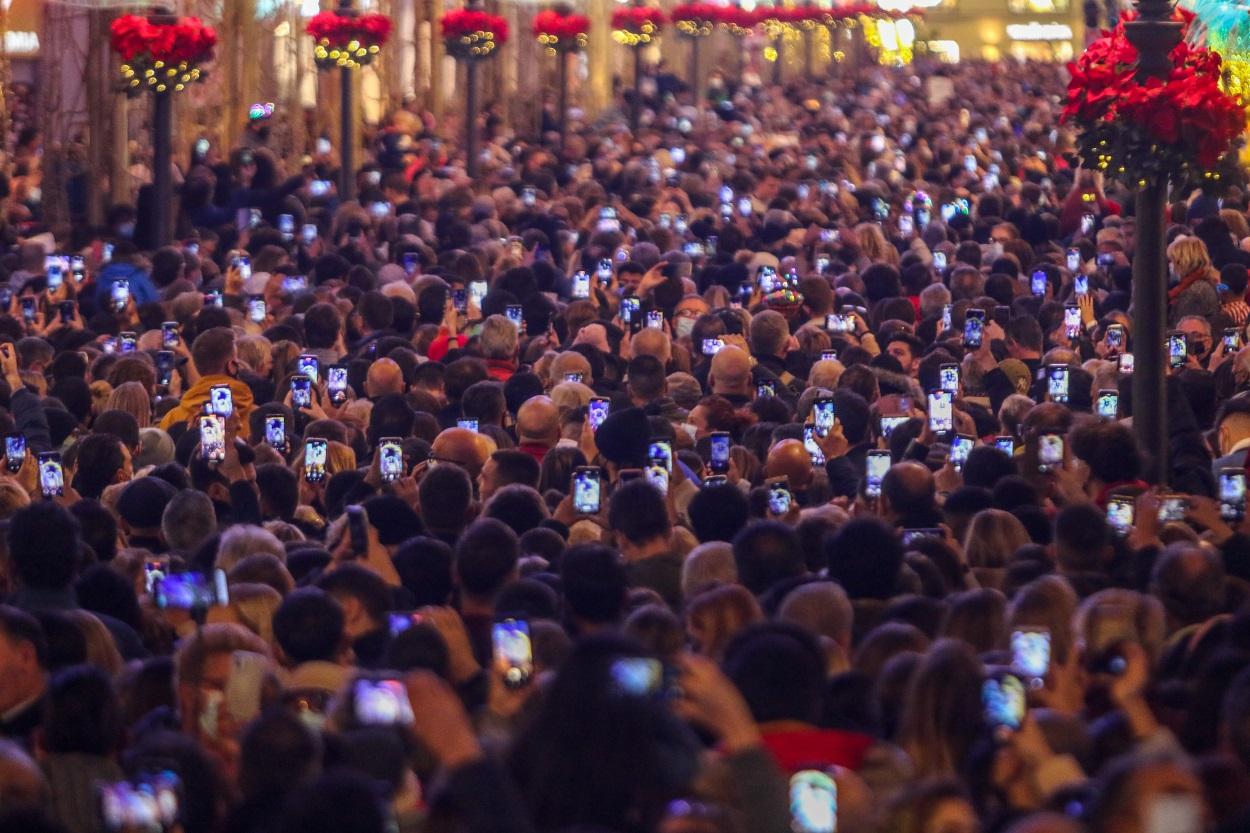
x=738 y=21
x=347 y=40
x=161 y=56
x=696 y=20
x=561 y=32
x=472 y=34
x=637 y=25
x=1142 y=130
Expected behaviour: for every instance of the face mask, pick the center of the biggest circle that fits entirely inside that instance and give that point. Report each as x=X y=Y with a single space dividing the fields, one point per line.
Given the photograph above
x=34 y=195
x=683 y=327
x=126 y=230
x=689 y=428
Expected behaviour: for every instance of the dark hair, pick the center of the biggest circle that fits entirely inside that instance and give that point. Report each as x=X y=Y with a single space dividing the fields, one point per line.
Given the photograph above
x=43 y=545
x=321 y=326
x=761 y=655
x=521 y=508
x=646 y=377
x=98 y=526
x=594 y=583
x=424 y=567
x=767 y=552
x=637 y=512
x=361 y=584
x=19 y=626
x=486 y=556
x=308 y=626
x=865 y=557
x=718 y=513
x=484 y=401
x=986 y=465
x=279 y=488
x=99 y=459
x=81 y=713
x=339 y=801
x=516 y=467
x=1109 y=449
x=278 y=753
x=445 y=493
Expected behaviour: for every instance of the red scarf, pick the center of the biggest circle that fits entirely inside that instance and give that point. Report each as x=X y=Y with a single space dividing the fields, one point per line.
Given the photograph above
x=1199 y=274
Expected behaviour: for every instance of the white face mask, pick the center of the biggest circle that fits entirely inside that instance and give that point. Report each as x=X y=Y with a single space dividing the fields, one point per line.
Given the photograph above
x=689 y=428
x=683 y=327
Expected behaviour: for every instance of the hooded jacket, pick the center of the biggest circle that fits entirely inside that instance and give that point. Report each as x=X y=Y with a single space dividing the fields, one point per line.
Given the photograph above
x=192 y=403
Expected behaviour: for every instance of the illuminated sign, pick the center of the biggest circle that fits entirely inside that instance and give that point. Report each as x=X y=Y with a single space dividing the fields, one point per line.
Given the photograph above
x=1039 y=31
x=21 y=43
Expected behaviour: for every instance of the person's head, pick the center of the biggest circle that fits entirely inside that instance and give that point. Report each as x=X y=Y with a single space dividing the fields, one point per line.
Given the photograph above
x=1232 y=423
x=647 y=379
x=486 y=559
x=213 y=353
x=308 y=627
x=519 y=506
x=23 y=658
x=277 y=754
x=279 y=491
x=715 y=615
x=81 y=714
x=102 y=461
x=992 y=537
x=942 y=714
x=865 y=557
x=762 y=655
x=240 y=541
x=770 y=334
x=1082 y=539
x=204 y=663
x=445 y=494
x=339 y=801
x=638 y=515
x=765 y=553
x=43 y=546
x=1188 y=255
x=730 y=373
x=506 y=468
x=1190 y=582
x=594 y=585
x=1134 y=789
x=499 y=338
x=718 y=513
x=322 y=326
x=907 y=490
x=364 y=597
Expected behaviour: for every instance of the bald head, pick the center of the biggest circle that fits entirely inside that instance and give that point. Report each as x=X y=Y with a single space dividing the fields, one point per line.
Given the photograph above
x=385 y=376
x=596 y=335
x=731 y=372
x=538 y=421
x=908 y=489
x=466 y=448
x=789 y=459
x=822 y=608
x=651 y=342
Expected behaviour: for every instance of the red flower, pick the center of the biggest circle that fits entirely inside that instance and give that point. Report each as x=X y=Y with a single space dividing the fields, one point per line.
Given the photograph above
x=138 y=40
x=562 y=27
x=340 y=30
x=473 y=34
x=634 y=18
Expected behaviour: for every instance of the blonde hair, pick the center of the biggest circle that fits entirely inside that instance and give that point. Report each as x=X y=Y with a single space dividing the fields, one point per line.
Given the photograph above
x=825 y=374
x=992 y=537
x=219 y=638
x=254 y=350
x=100 y=393
x=132 y=398
x=255 y=605
x=1236 y=222
x=12 y=498
x=238 y=542
x=101 y=649
x=1114 y=614
x=716 y=615
x=874 y=246
x=1189 y=254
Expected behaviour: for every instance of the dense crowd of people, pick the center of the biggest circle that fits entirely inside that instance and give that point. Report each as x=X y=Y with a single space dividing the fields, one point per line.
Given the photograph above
x=769 y=469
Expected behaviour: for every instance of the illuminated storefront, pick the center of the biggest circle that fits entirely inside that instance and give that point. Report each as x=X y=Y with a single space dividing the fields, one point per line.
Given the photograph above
x=1044 y=30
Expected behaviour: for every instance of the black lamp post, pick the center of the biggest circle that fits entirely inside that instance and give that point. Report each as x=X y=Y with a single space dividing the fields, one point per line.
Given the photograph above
x=162 y=141
x=347 y=117
x=1154 y=34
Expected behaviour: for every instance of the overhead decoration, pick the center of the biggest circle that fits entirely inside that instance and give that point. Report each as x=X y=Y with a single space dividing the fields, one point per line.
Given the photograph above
x=696 y=20
x=561 y=32
x=161 y=56
x=1180 y=127
x=472 y=34
x=347 y=41
x=637 y=26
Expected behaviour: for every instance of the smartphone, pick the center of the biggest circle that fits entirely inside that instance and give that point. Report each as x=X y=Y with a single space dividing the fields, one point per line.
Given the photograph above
x=1231 y=340
x=106 y=253
x=1080 y=284
x=828 y=355
x=1057 y=382
x=1030 y=653
x=78 y=267
x=382 y=703
x=1178 y=350
x=655 y=319
x=1072 y=320
x=308 y=233
x=766 y=279
x=357 y=529
x=1172 y=508
x=212 y=438
x=397 y=623
x=660 y=455
x=185 y=591
x=301 y=392
x=391 y=459
x=961 y=447
x=813 y=448
x=1121 y=514
x=574 y=377
x=55 y=272
x=513 y=313
x=1049 y=452
x=477 y=291
x=604 y=270
x=467 y=424
x=308 y=365
x=939 y=260
x=657 y=477
x=28 y=308
x=1087 y=224
x=906 y=225
x=1037 y=284
x=256 y=311
x=1005 y=444
x=1073 y=263
x=120 y=294
x=213 y=298
x=275 y=431
x=1126 y=363
x=294 y=284
x=823 y=416
x=718 y=462
x=221 y=400
x=513 y=652
x=244 y=264
x=744 y=206
x=948 y=376
x=813 y=802
x=587 y=488
x=286 y=225
x=1232 y=493
x=631 y=309
x=946 y=317
x=14 y=451
x=597 y=412
x=581 y=285
x=1114 y=337
x=379 y=210
x=1003 y=698
x=315 y=450
x=66 y=311
x=1108 y=404
x=460 y=300
x=149 y=803
x=941 y=417
x=877 y=464
x=974 y=327
x=779 y=497
x=336 y=383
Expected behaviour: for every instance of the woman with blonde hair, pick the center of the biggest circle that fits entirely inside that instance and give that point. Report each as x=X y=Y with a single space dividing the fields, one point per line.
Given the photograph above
x=992 y=538
x=101 y=649
x=257 y=352
x=252 y=606
x=1195 y=294
x=873 y=245
x=12 y=498
x=942 y=715
x=717 y=614
x=132 y=398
